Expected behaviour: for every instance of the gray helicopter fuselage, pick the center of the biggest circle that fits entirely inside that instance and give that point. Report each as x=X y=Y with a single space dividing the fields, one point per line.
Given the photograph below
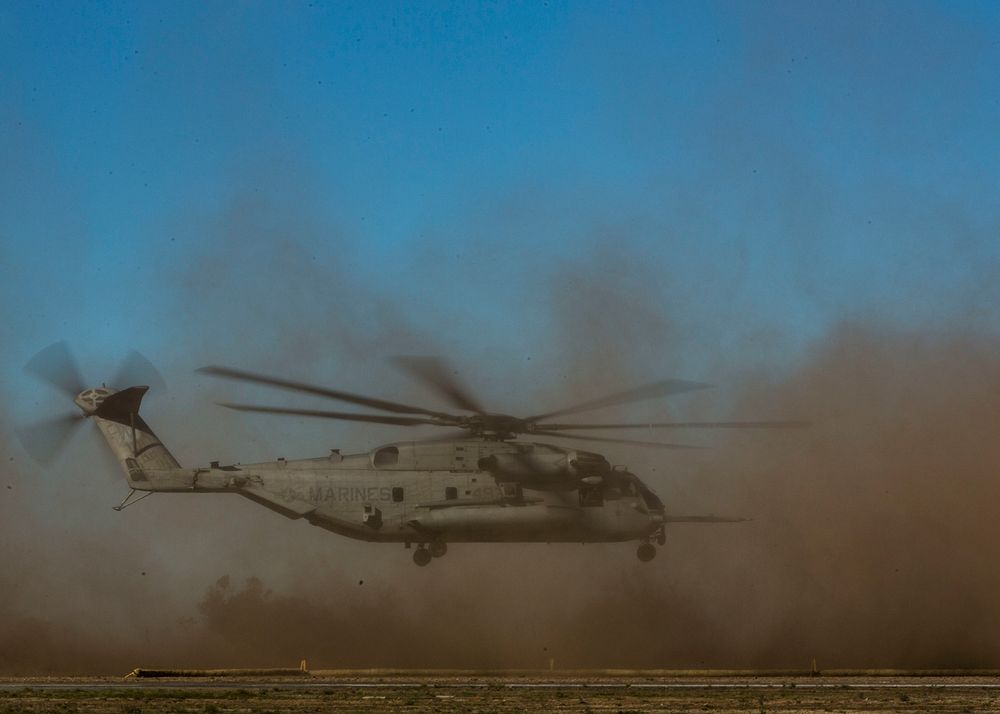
x=424 y=492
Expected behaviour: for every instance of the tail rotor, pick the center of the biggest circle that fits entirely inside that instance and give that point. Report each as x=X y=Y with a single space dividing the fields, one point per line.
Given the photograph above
x=55 y=365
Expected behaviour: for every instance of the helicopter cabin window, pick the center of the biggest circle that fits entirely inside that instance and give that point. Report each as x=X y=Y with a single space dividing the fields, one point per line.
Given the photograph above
x=397 y=494
x=388 y=456
x=450 y=493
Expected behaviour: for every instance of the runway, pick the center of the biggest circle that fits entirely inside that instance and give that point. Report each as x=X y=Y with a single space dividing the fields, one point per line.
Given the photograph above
x=540 y=692
x=292 y=685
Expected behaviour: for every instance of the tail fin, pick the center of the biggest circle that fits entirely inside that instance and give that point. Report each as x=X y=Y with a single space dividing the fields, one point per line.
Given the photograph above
x=134 y=444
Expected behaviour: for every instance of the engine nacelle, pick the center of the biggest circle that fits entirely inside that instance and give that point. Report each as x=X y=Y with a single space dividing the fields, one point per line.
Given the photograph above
x=585 y=464
x=560 y=471
x=524 y=467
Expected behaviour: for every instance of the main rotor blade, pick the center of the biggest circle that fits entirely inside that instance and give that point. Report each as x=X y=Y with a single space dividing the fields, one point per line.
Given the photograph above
x=630 y=442
x=254 y=378
x=436 y=374
x=449 y=436
x=638 y=394
x=56 y=365
x=342 y=416
x=45 y=439
x=137 y=370
x=703 y=519
x=683 y=425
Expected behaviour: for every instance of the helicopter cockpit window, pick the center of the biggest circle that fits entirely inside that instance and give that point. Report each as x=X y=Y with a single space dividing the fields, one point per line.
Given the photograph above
x=591 y=496
x=617 y=487
x=651 y=499
x=613 y=491
x=387 y=456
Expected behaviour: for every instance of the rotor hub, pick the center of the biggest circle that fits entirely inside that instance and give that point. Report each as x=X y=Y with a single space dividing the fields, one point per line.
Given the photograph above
x=495 y=427
x=90 y=399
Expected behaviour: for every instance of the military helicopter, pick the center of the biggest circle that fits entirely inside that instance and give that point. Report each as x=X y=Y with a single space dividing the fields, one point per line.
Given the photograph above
x=478 y=483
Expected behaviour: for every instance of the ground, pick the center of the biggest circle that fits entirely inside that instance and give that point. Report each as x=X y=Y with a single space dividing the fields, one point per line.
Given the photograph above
x=503 y=693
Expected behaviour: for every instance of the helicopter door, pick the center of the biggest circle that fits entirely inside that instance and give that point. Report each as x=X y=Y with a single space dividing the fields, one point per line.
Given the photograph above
x=372 y=516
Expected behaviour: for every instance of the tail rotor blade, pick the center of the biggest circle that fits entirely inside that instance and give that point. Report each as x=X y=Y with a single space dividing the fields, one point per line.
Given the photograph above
x=45 y=439
x=56 y=365
x=136 y=370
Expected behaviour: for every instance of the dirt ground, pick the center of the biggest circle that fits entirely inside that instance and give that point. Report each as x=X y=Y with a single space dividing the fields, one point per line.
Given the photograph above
x=503 y=694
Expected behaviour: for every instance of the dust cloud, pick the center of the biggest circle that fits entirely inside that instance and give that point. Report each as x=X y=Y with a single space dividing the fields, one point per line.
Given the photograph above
x=871 y=544
x=872 y=530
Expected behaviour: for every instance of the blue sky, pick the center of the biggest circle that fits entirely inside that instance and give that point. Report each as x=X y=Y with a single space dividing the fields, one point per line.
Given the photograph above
x=243 y=182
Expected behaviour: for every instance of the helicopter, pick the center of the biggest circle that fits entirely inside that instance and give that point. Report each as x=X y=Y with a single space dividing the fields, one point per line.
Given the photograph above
x=480 y=482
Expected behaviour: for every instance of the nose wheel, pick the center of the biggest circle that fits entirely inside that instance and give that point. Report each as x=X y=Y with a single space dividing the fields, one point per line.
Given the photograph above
x=646 y=552
x=421 y=556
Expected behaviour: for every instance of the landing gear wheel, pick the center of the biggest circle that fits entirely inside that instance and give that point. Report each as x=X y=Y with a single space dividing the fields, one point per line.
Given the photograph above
x=421 y=556
x=438 y=548
x=661 y=537
x=646 y=552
